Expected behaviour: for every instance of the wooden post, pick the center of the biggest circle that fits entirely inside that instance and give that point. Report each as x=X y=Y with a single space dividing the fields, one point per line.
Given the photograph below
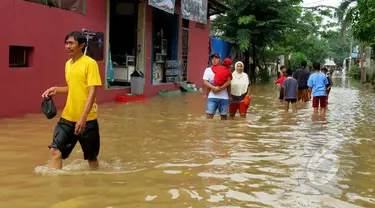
x=363 y=72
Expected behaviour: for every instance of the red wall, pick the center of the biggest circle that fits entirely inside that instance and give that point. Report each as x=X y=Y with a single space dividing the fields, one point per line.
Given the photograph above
x=44 y=28
x=29 y=24
x=198 y=52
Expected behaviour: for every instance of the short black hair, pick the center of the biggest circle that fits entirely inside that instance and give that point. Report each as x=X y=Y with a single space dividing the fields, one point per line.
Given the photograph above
x=304 y=63
x=316 y=66
x=78 y=36
x=282 y=67
x=289 y=72
x=325 y=69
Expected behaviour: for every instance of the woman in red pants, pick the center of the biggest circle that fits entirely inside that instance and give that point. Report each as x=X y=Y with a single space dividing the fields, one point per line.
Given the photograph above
x=240 y=88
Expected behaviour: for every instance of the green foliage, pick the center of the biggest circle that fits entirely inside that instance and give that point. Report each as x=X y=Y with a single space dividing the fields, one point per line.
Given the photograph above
x=364 y=22
x=355 y=72
x=264 y=75
x=297 y=58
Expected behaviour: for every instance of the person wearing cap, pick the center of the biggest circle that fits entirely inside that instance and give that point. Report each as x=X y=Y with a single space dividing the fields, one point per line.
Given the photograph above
x=222 y=74
x=218 y=96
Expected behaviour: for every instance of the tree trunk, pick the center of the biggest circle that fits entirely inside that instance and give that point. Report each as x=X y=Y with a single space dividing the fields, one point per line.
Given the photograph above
x=247 y=62
x=363 y=72
x=253 y=66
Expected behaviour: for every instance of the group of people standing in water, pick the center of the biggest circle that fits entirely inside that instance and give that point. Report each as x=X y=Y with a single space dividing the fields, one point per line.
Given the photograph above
x=302 y=84
x=229 y=92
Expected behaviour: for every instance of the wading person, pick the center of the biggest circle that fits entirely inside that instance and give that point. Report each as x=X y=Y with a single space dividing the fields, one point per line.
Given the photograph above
x=302 y=75
x=280 y=81
x=317 y=85
x=330 y=83
x=218 y=98
x=78 y=121
x=290 y=91
x=240 y=87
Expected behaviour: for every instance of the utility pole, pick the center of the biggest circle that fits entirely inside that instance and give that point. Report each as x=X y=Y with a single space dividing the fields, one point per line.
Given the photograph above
x=363 y=72
x=351 y=51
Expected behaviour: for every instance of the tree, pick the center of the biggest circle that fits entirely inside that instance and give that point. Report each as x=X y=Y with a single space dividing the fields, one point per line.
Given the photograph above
x=255 y=25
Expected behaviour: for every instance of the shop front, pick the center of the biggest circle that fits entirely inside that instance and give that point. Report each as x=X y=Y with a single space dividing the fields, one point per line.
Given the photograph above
x=156 y=37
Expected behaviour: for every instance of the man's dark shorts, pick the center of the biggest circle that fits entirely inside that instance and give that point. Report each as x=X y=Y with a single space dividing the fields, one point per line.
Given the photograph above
x=281 y=96
x=291 y=100
x=64 y=139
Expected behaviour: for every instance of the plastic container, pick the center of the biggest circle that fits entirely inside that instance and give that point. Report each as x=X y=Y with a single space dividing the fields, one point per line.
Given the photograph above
x=137 y=83
x=247 y=100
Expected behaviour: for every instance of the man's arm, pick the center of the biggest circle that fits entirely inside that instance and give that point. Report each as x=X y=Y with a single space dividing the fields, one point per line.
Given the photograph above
x=90 y=102
x=209 y=85
x=62 y=89
x=226 y=85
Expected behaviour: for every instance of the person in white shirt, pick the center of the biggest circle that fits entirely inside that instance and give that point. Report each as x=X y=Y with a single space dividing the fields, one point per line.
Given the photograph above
x=218 y=98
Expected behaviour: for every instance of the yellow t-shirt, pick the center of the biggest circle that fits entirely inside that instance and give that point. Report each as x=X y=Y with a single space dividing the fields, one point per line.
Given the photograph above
x=79 y=76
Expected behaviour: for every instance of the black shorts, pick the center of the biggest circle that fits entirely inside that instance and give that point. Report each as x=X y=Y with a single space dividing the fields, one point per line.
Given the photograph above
x=291 y=100
x=281 y=97
x=64 y=139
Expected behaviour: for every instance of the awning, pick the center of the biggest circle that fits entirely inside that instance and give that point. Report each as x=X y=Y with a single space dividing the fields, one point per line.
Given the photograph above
x=216 y=7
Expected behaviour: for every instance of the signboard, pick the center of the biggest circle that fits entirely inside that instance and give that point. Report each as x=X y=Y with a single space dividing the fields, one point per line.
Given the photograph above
x=95 y=44
x=77 y=6
x=194 y=10
x=165 y=5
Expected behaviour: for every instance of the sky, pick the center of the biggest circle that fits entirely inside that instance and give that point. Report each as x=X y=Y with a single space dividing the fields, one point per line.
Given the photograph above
x=321 y=2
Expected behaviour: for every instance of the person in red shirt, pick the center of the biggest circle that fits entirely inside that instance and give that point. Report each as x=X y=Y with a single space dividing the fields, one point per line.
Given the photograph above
x=280 y=81
x=222 y=74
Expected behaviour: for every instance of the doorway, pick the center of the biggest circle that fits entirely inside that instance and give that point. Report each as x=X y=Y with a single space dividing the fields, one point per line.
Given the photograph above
x=123 y=35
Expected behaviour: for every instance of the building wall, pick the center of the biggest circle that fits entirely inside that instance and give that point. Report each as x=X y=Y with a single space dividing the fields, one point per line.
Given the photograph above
x=44 y=28
x=198 y=52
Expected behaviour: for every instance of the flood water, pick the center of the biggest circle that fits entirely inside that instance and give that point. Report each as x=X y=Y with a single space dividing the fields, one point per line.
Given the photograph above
x=164 y=153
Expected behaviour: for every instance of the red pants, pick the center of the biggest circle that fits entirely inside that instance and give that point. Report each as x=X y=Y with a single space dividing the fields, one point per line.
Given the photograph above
x=322 y=100
x=238 y=106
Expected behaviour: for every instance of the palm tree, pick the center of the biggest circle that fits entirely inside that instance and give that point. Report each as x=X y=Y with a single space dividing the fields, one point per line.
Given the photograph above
x=345 y=15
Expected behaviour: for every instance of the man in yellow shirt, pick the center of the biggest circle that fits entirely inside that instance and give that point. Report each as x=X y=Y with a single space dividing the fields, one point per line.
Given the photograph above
x=78 y=121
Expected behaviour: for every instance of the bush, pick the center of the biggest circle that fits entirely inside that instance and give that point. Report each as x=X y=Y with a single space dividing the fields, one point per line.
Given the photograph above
x=355 y=72
x=264 y=76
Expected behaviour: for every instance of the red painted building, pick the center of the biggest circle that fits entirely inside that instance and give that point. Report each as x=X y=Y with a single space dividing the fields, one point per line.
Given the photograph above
x=32 y=53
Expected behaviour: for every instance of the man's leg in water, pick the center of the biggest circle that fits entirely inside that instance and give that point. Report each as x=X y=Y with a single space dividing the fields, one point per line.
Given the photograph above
x=211 y=107
x=294 y=106
x=63 y=143
x=315 y=104
x=286 y=103
x=323 y=105
x=56 y=159
x=90 y=143
x=223 y=108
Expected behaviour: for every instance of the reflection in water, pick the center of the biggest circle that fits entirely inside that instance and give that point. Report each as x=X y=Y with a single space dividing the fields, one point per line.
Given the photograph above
x=164 y=153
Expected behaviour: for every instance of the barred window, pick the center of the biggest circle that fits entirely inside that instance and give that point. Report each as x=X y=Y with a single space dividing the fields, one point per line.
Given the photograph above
x=19 y=56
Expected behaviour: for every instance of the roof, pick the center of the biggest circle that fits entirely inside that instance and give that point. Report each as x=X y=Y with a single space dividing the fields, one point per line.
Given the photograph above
x=216 y=7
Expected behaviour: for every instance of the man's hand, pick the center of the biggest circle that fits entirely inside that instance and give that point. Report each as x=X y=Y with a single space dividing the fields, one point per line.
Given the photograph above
x=50 y=92
x=216 y=89
x=80 y=126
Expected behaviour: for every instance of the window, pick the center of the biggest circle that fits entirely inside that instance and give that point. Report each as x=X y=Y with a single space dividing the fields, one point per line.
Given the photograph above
x=77 y=6
x=19 y=56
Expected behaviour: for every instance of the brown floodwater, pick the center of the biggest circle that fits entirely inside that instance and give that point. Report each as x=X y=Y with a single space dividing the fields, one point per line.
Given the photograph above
x=164 y=153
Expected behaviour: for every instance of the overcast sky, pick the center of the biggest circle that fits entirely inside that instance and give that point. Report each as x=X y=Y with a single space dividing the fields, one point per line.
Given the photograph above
x=321 y=2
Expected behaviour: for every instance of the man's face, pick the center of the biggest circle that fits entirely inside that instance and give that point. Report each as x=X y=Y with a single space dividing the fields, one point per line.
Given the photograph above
x=283 y=70
x=215 y=61
x=72 y=46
